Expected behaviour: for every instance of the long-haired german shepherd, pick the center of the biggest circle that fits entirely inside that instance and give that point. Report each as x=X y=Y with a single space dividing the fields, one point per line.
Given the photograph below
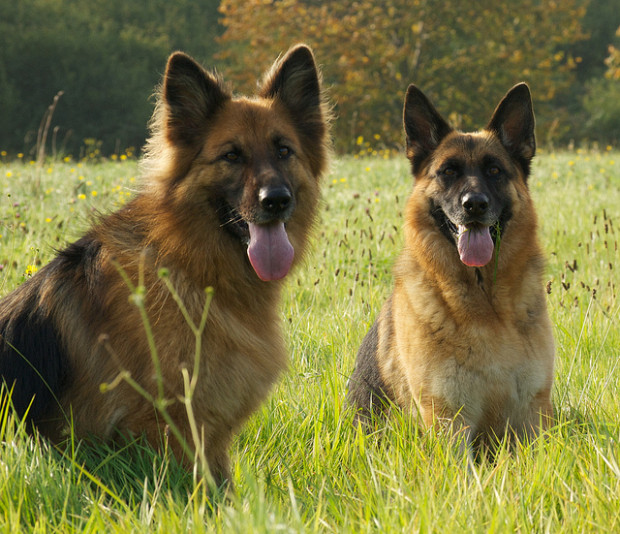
x=231 y=187
x=465 y=336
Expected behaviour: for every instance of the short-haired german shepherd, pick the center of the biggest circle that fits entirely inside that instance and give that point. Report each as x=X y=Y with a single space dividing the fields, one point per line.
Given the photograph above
x=465 y=336
x=231 y=187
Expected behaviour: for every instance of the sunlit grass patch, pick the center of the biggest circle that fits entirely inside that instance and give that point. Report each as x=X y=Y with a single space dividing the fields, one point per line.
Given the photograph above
x=299 y=464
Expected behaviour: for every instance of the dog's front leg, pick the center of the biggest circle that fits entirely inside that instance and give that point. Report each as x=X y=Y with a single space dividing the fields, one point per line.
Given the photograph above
x=216 y=452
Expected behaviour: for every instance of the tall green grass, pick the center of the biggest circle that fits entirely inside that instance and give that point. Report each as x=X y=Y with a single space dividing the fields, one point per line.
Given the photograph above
x=299 y=464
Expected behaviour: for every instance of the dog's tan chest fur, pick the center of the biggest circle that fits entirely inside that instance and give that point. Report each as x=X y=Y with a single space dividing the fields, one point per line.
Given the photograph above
x=445 y=364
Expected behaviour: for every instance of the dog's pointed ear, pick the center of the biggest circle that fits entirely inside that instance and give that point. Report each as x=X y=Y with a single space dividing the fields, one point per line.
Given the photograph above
x=191 y=95
x=424 y=126
x=513 y=122
x=295 y=80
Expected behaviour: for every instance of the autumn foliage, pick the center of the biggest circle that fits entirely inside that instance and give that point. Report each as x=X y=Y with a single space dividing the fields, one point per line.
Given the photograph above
x=464 y=56
x=613 y=61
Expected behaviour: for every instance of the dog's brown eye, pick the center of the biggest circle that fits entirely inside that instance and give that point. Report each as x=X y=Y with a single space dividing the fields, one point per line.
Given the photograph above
x=284 y=152
x=493 y=170
x=449 y=171
x=231 y=156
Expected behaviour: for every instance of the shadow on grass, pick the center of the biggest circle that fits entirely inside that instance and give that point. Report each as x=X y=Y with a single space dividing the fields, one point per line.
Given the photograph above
x=129 y=469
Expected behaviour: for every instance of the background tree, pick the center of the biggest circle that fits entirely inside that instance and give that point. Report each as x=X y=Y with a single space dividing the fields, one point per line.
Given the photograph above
x=464 y=56
x=613 y=60
x=602 y=101
x=105 y=57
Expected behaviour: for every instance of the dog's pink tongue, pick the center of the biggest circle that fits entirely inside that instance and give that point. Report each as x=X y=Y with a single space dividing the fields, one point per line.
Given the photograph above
x=270 y=251
x=475 y=246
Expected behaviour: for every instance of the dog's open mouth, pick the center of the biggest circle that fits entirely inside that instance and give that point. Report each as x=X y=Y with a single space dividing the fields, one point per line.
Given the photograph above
x=270 y=251
x=475 y=244
x=268 y=247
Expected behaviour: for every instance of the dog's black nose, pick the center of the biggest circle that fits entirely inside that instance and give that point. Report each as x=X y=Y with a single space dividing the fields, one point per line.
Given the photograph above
x=475 y=204
x=274 y=200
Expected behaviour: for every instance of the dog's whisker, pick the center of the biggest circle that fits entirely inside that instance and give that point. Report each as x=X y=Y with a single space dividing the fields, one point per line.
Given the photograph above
x=233 y=220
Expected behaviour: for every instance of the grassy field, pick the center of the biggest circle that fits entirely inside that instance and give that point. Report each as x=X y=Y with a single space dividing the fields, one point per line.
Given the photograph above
x=299 y=465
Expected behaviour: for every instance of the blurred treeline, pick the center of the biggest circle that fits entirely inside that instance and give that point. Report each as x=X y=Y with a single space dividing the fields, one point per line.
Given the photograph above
x=106 y=58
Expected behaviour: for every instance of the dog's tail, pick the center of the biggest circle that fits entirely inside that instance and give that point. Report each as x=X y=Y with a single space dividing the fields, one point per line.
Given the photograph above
x=33 y=365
